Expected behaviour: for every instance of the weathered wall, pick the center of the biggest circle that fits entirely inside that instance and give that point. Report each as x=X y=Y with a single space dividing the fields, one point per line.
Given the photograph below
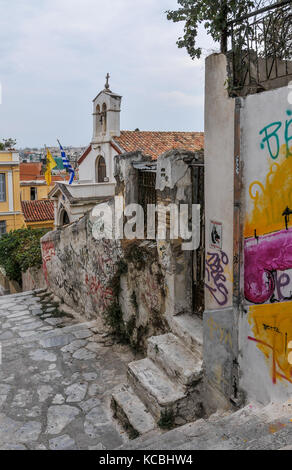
x=80 y=269
x=220 y=320
x=248 y=339
x=7 y=286
x=33 y=278
x=266 y=327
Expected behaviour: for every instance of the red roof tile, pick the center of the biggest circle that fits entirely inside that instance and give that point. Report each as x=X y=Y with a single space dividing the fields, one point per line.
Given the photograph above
x=38 y=211
x=156 y=143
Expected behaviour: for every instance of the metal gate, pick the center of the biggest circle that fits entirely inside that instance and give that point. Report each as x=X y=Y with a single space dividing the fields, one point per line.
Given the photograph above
x=198 y=183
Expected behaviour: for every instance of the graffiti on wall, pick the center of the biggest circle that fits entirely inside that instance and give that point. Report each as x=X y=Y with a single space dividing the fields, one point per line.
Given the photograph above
x=272 y=332
x=216 y=279
x=48 y=251
x=268 y=241
x=268 y=252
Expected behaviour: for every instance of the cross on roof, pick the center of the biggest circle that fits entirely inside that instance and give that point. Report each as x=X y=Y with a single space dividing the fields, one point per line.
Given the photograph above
x=107 y=81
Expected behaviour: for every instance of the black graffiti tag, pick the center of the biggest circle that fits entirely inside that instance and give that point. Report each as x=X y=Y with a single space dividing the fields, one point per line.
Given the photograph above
x=215 y=264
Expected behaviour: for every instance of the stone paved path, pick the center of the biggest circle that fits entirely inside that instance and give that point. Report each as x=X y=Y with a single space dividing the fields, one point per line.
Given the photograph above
x=56 y=378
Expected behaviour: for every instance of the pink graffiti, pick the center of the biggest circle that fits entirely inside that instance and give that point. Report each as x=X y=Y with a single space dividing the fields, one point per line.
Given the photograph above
x=48 y=249
x=264 y=256
x=94 y=287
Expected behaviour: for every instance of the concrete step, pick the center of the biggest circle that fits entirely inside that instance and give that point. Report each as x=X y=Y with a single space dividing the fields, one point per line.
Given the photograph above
x=179 y=363
x=189 y=328
x=154 y=388
x=132 y=413
x=252 y=427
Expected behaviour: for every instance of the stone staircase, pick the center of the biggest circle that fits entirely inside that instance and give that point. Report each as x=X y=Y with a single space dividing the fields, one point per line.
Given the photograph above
x=254 y=427
x=164 y=389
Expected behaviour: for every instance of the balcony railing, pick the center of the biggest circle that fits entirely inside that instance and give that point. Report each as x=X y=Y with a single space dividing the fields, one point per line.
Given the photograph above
x=261 y=49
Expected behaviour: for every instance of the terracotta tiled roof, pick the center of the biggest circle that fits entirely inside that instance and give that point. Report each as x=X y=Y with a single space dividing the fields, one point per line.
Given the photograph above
x=156 y=143
x=38 y=211
x=33 y=172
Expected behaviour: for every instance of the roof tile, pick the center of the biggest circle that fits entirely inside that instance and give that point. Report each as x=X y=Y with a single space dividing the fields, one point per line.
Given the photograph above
x=157 y=143
x=38 y=211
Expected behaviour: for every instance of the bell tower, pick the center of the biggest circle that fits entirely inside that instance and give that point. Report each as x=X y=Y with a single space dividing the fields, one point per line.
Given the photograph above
x=106 y=114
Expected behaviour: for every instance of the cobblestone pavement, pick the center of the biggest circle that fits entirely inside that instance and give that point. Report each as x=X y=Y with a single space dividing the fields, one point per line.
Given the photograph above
x=56 y=378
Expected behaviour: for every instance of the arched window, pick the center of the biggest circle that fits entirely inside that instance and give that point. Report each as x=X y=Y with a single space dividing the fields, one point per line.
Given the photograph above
x=98 y=119
x=63 y=218
x=66 y=220
x=100 y=171
x=104 y=118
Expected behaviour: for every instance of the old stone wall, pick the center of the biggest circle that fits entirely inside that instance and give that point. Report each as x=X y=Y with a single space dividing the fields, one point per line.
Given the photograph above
x=32 y=279
x=86 y=274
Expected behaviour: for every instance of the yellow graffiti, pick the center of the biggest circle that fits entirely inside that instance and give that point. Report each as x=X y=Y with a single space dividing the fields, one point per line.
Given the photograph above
x=290 y=354
x=224 y=335
x=272 y=332
x=270 y=199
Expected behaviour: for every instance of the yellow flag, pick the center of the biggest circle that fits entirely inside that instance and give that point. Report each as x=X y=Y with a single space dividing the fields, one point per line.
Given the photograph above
x=50 y=165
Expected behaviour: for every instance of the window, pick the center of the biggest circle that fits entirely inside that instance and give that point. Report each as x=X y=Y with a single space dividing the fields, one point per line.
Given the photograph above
x=100 y=170
x=33 y=194
x=98 y=119
x=64 y=219
x=2 y=227
x=104 y=118
x=2 y=187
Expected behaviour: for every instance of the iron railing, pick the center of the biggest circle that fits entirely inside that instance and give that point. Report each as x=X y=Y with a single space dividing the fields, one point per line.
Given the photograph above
x=261 y=48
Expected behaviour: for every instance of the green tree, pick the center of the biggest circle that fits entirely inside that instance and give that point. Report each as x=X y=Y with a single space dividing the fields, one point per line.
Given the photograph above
x=19 y=250
x=7 y=144
x=215 y=15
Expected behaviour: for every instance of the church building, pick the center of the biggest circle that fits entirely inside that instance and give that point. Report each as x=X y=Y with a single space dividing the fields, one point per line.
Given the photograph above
x=96 y=166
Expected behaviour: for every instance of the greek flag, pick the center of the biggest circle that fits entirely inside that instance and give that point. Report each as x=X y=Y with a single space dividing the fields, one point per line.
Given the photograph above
x=67 y=164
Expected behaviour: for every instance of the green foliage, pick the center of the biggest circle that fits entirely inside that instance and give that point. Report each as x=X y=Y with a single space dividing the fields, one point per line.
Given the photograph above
x=166 y=420
x=113 y=315
x=214 y=15
x=20 y=250
x=114 y=319
x=138 y=256
x=7 y=144
x=134 y=300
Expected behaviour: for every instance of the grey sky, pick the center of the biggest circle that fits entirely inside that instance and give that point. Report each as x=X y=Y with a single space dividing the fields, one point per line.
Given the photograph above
x=56 y=53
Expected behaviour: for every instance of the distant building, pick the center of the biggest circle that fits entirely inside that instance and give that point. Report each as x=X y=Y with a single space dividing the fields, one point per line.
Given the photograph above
x=33 y=185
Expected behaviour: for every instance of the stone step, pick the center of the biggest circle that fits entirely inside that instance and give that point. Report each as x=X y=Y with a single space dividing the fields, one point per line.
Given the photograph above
x=189 y=328
x=252 y=427
x=132 y=413
x=154 y=388
x=179 y=363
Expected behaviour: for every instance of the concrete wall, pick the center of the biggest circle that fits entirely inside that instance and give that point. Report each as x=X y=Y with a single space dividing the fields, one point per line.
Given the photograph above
x=266 y=325
x=248 y=336
x=8 y=287
x=32 y=279
x=220 y=341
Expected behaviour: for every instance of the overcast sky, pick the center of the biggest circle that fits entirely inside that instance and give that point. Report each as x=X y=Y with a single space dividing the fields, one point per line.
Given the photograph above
x=55 y=55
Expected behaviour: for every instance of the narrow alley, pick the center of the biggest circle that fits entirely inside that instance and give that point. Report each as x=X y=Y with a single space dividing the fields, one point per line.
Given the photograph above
x=56 y=378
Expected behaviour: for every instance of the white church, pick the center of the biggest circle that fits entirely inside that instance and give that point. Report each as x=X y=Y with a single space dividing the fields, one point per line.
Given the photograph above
x=96 y=166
